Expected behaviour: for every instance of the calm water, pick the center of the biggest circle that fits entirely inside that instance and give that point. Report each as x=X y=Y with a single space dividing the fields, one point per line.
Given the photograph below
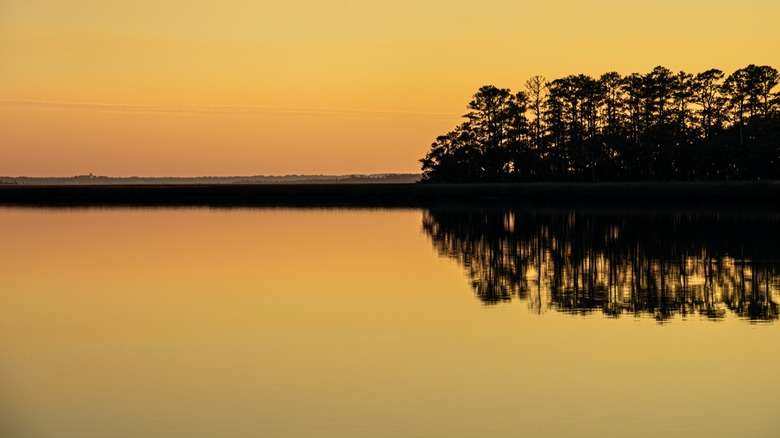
x=355 y=323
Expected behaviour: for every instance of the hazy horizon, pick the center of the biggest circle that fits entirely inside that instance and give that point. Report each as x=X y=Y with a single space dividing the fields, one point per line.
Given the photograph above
x=329 y=175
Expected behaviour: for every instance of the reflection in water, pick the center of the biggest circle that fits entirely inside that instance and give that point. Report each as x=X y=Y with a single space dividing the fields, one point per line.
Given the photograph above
x=659 y=264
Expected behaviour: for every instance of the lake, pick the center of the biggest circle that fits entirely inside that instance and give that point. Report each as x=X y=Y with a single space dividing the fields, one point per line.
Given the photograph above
x=441 y=322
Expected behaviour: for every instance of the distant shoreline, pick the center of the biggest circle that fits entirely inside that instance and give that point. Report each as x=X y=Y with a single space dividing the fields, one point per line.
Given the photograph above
x=711 y=194
x=90 y=179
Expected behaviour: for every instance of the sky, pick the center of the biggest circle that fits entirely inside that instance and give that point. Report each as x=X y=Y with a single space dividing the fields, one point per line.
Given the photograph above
x=250 y=87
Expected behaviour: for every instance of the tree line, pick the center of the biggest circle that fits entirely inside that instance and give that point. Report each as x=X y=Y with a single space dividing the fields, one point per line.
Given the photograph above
x=657 y=126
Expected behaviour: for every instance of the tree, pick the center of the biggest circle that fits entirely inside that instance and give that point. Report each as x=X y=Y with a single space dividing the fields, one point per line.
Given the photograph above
x=613 y=102
x=523 y=160
x=762 y=80
x=737 y=90
x=658 y=88
x=707 y=94
x=453 y=157
x=490 y=117
x=536 y=89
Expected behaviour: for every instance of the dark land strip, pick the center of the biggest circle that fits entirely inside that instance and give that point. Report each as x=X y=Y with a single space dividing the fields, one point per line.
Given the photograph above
x=764 y=194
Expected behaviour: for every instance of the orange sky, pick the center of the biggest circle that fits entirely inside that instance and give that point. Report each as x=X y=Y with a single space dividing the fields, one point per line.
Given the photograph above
x=244 y=87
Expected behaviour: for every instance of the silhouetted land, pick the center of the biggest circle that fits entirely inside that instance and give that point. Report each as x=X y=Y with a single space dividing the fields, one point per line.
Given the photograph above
x=754 y=194
x=658 y=263
x=90 y=179
x=658 y=126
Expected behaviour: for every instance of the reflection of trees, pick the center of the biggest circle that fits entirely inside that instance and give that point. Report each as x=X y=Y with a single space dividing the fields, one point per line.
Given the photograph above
x=575 y=261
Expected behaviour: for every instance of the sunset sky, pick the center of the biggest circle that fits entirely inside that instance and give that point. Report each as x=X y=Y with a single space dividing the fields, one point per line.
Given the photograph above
x=247 y=87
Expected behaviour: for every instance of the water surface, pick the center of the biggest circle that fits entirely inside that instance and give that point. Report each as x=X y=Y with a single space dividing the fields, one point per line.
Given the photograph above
x=353 y=323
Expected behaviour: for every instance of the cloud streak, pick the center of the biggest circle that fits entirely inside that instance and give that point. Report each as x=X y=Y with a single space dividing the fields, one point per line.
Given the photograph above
x=221 y=109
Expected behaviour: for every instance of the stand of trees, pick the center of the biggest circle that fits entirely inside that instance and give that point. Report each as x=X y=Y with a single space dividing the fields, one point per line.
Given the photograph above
x=657 y=126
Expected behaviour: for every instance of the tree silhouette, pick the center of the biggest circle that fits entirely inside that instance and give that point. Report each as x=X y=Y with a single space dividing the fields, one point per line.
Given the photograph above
x=536 y=90
x=655 y=126
x=485 y=147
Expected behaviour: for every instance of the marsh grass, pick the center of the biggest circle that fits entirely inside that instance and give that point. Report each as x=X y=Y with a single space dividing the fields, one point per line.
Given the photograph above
x=394 y=195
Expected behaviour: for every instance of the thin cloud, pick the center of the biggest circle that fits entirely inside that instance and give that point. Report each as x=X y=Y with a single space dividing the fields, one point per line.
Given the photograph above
x=219 y=109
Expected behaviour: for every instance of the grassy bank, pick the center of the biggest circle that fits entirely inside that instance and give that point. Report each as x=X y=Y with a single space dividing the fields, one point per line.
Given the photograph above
x=392 y=195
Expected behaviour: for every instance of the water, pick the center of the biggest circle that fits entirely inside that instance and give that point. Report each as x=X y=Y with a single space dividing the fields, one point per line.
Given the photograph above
x=658 y=263
x=353 y=323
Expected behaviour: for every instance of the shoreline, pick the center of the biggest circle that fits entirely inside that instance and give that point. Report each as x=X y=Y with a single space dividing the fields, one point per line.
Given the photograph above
x=713 y=194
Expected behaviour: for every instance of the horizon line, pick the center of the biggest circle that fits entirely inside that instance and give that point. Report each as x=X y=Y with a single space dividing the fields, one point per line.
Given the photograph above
x=224 y=176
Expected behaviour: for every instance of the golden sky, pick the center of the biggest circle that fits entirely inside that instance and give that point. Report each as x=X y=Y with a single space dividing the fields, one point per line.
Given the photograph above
x=245 y=87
